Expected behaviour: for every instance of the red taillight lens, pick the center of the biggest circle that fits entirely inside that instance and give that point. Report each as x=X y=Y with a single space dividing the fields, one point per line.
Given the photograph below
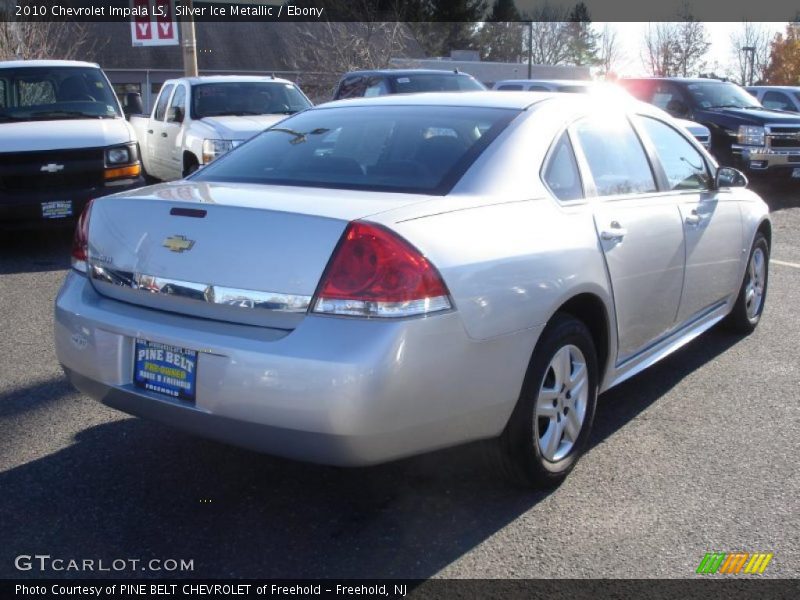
x=80 y=241
x=376 y=273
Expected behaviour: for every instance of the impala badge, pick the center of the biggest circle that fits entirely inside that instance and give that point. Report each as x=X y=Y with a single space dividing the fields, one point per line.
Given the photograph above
x=51 y=168
x=178 y=243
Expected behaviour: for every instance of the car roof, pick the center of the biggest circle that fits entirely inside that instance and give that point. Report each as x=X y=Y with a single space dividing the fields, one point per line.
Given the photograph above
x=548 y=81
x=677 y=79
x=231 y=79
x=11 y=64
x=407 y=72
x=785 y=88
x=476 y=99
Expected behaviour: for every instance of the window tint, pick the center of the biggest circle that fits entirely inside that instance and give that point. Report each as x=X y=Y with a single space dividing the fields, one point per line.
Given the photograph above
x=615 y=156
x=683 y=164
x=3 y=88
x=161 y=107
x=352 y=87
x=777 y=100
x=561 y=174
x=447 y=82
x=246 y=98
x=417 y=149
x=510 y=87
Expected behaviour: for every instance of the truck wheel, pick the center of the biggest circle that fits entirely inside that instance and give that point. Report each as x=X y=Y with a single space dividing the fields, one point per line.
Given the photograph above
x=190 y=166
x=551 y=423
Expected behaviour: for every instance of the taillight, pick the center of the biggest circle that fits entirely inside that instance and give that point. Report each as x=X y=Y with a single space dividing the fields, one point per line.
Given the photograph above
x=376 y=273
x=80 y=241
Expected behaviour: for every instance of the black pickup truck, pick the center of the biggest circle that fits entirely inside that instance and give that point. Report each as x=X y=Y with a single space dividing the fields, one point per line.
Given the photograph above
x=744 y=134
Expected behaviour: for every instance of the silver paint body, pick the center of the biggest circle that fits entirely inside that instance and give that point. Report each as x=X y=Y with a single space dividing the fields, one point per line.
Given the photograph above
x=351 y=391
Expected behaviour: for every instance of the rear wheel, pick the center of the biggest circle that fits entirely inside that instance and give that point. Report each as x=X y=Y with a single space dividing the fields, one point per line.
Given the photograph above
x=550 y=426
x=749 y=305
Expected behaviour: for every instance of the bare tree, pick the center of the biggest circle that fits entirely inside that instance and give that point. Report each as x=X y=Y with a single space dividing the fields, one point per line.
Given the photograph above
x=659 y=51
x=691 y=43
x=750 y=35
x=32 y=40
x=550 y=33
x=610 y=49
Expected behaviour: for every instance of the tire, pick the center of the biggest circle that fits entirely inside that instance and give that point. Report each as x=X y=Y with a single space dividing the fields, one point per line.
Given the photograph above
x=749 y=307
x=527 y=454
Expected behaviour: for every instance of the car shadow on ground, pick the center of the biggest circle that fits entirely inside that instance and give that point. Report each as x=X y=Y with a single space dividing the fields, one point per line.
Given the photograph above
x=778 y=194
x=135 y=489
x=35 y=250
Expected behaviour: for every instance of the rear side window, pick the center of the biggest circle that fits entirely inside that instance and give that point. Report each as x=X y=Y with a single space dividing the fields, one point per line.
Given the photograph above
x=684 y=166
x=416 y=149
x=410 y=84
x=615 y=156
x=510 y=87
x=561 y=173
x=161 y=107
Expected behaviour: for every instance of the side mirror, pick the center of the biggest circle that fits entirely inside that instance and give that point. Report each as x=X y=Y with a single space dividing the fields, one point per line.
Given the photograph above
x=132 y=104
x=728 y=177
x=175 y=114
x=677 y=108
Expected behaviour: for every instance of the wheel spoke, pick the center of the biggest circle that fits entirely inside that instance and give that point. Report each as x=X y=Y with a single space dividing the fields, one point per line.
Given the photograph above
x=561 y=365
x=544 y=403
x=572 y=426
x=552 y=438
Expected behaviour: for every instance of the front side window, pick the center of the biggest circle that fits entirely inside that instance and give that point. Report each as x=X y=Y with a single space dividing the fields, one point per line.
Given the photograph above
x=246 y=98
x=777 y=100
x=161 y=107
x=720 y=95
x=352 y=87
x=376 y=86
x=415 y=149
x=561 y=173
x=178 y=100
x=683 y=164
x=615 y=156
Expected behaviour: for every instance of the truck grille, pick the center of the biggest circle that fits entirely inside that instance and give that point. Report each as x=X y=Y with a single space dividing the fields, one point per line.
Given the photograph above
x=56 y=171
x=783 y=137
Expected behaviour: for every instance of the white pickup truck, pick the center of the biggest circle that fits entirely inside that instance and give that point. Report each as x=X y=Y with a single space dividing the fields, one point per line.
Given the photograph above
x=197 y=119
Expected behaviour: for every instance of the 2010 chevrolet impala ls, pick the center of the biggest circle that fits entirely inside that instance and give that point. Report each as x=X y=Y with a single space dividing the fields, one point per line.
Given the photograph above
x=375 y=278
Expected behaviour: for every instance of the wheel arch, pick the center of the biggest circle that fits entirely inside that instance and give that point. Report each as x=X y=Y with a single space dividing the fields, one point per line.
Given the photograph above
x=593 y=312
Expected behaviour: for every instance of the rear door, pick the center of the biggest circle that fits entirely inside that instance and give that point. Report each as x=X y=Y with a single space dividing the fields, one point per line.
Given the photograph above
x=711 y=220
x=640 y=230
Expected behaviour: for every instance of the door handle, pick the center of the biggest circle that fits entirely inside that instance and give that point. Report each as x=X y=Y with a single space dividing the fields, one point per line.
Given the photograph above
x=614 y=232
x=149 y=131
x=693 y=218
x=163 y=135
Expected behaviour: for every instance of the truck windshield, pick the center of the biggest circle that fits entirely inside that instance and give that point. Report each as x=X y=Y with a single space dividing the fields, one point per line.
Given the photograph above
x=413 y=149
x=721 y=95
x=246 y=98
x=49 y=93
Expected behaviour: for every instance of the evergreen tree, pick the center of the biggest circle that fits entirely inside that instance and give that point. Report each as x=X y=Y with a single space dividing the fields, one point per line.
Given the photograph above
x=582 y=39
x=501 y=37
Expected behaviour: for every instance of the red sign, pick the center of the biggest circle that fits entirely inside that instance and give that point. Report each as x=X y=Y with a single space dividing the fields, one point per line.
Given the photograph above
x=152 y=24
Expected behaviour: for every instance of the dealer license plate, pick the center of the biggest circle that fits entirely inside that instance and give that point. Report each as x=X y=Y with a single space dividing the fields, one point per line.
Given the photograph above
x=58 y=209
x=164 y=369
x=796 y=173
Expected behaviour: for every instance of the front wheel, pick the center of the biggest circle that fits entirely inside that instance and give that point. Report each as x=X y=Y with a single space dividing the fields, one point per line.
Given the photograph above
x=749 y=305
x=550 y=426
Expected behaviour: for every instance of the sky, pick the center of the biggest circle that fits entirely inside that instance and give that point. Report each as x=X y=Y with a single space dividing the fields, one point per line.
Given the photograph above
x=630 y=36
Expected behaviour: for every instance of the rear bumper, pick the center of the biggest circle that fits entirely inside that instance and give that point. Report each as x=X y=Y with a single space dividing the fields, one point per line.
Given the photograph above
x=21 y=210
x=334 y=390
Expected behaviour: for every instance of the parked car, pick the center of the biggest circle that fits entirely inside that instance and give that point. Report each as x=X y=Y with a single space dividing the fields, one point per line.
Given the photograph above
x=63 y=140
x=582 y=86
x=777 y=97
x=197 y=119
x=744 y=134
x=544 y=85
x=357 y=84
x=381 y=277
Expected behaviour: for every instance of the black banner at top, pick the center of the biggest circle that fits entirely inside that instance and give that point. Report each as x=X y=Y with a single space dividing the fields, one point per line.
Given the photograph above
x=395 y=10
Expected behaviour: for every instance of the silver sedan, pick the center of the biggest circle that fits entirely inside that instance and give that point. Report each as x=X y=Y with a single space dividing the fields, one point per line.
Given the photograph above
x=376 y=278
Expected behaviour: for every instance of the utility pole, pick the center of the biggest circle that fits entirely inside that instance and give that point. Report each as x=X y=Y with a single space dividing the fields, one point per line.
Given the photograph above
x=188 y=42
x=530 y=49
x=751 y=51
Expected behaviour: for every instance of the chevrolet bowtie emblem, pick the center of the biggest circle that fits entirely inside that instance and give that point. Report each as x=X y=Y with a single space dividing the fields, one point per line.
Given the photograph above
x=178 y=243
x=51 y=168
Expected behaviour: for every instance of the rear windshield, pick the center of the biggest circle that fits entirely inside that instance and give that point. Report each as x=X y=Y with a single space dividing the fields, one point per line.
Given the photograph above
x=246 y=98
x=450 y=82
x=417 y=149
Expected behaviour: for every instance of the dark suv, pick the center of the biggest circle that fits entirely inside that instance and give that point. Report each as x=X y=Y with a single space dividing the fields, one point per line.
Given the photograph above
x=357 y=84
x=744 y=134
